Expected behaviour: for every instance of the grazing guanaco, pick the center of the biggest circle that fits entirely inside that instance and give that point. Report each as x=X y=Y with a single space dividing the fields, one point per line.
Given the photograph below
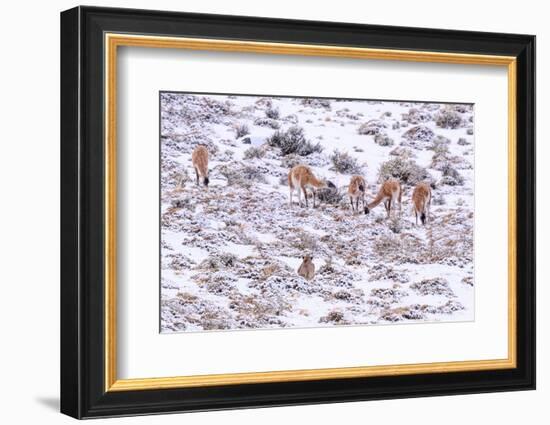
x=422 y=199
x=307 y=268
x=356 y=191
x=199 y=157
x=301 y=177
x=389 y=192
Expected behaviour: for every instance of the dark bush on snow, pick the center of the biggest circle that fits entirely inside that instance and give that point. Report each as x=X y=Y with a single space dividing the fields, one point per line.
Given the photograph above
x=267 y=122
x=405 y=170
x=451 y=177
x=419 y=133
x=416 y=116
x=316 y=103
x=372 y=127
x=242 y=175
x=241 y=130
x=344 y=163
x=448 y=118
x=254 y=152
x=383 y=139
x=330 y=195
x=272 y=113
x=293 y=141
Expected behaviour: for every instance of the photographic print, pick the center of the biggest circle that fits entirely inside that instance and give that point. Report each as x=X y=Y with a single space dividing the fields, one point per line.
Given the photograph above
x=300 y=212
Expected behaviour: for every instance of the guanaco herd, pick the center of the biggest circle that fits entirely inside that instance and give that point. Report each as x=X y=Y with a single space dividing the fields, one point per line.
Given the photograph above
x=301 y=179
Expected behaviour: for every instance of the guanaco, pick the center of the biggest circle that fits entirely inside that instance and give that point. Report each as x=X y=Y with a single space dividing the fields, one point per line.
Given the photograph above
x=422 y=199
x=200 y=163
x=356 y=191
x=389 y=192
x=301 y=177
x=307 y=268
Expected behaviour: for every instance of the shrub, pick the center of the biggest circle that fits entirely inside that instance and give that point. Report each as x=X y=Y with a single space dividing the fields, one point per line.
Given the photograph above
x=463 y=108
x=416 y=116
x=333 y=317
x=383 y=139
x=293 y=141
x=470 y=131
x=254 y=152
x=402 y=152
x=272 y=112
x=371 y=128
x=451 y=176
x=448 y=118
x=405 y=170
x=267 y=122
x=462 y=141
x=344 y=163
x=436 y=286
x=395 y=224
x=439 y=144
x=291 y=160
x=316 y=103
x=419 y=133
x=330 y=195
x=242 y=175
x=241 y=130
x=292 y=118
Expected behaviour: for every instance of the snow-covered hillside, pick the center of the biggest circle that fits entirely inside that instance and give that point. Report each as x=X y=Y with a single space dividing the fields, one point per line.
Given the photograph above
x=230 y=251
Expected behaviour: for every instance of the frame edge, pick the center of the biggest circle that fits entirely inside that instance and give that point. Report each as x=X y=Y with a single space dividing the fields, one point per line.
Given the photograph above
x=70 y=348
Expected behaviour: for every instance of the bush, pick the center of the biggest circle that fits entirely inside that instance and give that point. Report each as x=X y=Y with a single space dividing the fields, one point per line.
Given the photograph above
x=451 y=177
x=267 y=122
x=415 y=116
x=436 y=286
x=405 y=170
x=383 y=139
x=420 y=133
x=241 y=130
x=344 y=163
x=462 y=141
x=402 y=152
x=448 y=118
x=439 y=144
x=293 y=141
x=242 y=175
x=272 y=112
x=254 y=152
x=330 y=195
x=470 y=131
x=316 y=103
x=372 y=127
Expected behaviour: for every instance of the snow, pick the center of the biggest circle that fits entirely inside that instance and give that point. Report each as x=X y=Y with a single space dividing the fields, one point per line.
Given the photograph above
x=230 y=251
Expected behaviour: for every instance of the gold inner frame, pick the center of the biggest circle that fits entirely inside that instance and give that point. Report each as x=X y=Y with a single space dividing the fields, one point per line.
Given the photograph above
x=113 y=41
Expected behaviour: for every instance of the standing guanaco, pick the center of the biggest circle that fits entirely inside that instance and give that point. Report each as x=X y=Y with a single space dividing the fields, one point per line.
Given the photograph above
x=389 y=192
x=301 y=177
x=422 y=199
x=307 y=268
x=199 y=158
x=356 y=191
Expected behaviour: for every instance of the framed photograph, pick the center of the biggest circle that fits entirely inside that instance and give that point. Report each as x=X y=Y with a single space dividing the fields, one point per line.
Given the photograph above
x=261 y=212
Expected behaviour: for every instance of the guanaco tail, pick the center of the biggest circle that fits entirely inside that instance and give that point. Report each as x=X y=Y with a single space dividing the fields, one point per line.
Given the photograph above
x=199 y=158
x=389 y=192
x=301 y=178
x=421 y=200
x=307 y=268
x=356 y=191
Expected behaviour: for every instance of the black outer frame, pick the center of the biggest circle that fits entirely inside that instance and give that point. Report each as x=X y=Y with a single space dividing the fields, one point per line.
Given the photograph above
x=82 y=220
